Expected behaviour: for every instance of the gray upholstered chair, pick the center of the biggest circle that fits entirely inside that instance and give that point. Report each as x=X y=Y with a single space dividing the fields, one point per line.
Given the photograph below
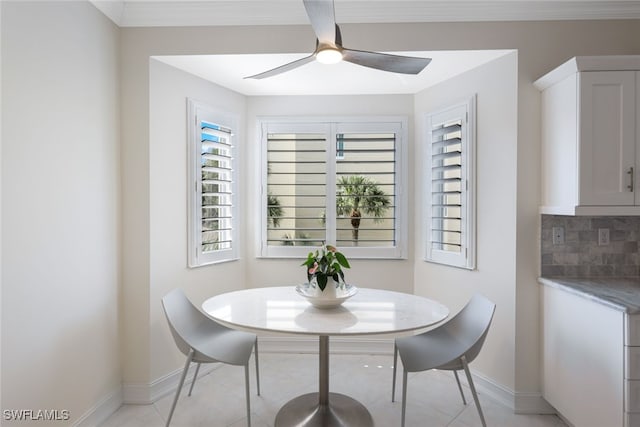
x=451 y=346
x=203 y=340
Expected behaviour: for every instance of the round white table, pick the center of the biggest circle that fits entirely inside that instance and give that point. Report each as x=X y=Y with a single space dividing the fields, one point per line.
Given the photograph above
x=281 y=309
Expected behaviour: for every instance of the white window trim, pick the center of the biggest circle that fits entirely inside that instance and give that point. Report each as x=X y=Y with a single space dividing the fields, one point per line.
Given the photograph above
x=467 y=258
x=334 y=125
x=196 y=258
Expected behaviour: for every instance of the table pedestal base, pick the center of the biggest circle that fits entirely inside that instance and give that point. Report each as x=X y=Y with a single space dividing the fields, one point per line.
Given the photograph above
x=306 y=411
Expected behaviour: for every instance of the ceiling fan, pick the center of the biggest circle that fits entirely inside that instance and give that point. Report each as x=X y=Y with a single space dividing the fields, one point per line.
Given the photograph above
x=329 y=49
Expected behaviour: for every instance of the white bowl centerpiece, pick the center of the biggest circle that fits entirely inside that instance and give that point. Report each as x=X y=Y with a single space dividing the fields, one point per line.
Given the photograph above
x=325 y=285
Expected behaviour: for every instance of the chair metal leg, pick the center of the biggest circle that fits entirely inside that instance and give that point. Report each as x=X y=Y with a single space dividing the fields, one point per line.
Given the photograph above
x=246 y=386
x=184 y=374
x=257 y=368
x=404 y=396
x=473 y=389
x=395 y=365
x=195 y=377
x=464 y=401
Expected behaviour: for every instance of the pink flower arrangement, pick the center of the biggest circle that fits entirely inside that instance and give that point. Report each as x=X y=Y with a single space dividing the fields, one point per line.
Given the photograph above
x=325 y=262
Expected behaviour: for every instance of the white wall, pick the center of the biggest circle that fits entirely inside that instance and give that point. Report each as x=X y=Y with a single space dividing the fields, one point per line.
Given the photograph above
x=60 y=208
x=496 y=134
x=388 y=274
x=169 y=90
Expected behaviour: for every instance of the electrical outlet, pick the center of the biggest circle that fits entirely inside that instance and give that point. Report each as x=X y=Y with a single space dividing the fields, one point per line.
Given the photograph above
x=603 y=236
x=558 y=235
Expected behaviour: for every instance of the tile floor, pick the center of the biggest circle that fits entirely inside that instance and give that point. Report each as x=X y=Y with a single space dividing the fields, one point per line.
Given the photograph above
x=218 y=397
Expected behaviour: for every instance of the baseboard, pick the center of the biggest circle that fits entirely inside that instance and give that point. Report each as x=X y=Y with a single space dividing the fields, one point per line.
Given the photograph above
x=102 y=410
x=518 y=402
x=497 y=392
x=532 y=403
x=146 y=394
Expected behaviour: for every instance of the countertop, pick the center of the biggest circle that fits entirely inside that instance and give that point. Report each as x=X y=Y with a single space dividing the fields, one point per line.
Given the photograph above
x=620 y=293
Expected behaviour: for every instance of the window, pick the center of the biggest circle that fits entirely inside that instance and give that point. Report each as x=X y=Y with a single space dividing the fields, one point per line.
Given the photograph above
x=212 y=186
x=338 y=182
x=340 y=149
x=449 y=182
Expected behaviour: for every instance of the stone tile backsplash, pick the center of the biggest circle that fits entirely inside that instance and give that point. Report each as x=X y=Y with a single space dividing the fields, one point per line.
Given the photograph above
x=581 y=255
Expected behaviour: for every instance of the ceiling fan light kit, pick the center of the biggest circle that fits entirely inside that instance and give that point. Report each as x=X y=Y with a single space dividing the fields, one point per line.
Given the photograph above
x=329 y=56
x=329 y=49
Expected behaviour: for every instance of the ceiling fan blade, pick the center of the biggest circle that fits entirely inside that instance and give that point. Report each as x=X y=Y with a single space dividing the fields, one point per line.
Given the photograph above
x=283 y=68
x=385 y=61
x=323 y=19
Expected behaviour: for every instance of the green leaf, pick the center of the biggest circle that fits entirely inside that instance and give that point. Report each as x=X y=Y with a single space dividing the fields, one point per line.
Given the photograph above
x=309 y=261
x=342 y=260
x=322 y=281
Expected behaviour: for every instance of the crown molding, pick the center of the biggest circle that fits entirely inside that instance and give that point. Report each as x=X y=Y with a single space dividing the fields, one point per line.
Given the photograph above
x=139 y=13
x=114 y=10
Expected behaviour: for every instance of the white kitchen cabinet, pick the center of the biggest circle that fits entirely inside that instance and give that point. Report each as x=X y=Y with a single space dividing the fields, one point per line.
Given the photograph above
x=583 y=362
x=591 y=137
x=607 y=151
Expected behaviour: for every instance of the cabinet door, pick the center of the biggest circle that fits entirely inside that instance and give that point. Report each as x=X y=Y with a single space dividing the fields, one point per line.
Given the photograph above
x=607 y=138
x=582 y=350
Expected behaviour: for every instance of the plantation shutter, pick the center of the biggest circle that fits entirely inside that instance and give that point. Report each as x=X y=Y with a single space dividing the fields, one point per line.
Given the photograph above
x=296 y=185
x=213 y=203
x=217 y=181
x=366 y=187
x=449 y=166
x=336 y=182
